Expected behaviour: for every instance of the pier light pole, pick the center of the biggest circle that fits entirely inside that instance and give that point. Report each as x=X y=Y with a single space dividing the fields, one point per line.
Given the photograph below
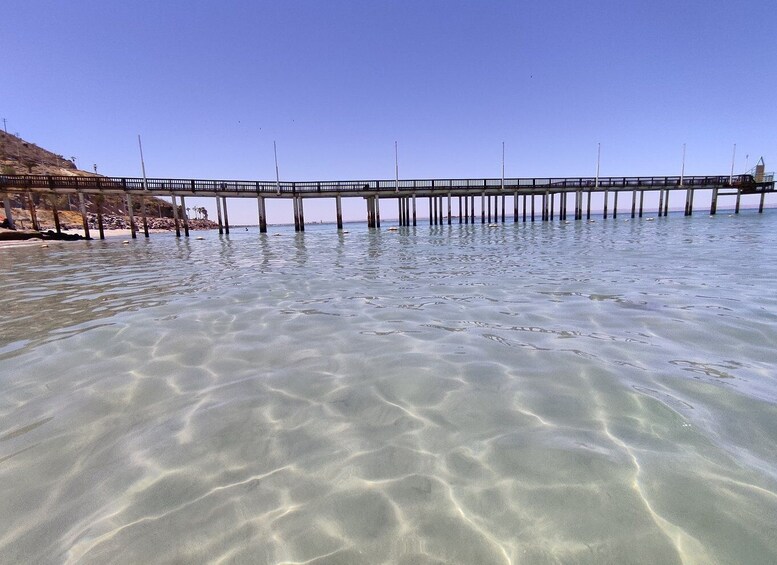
x=396 y=168
x=142 y=164
x=598 y=161
x=733 y=160
x=277 y=174
x=682 y=168
x=503 y=165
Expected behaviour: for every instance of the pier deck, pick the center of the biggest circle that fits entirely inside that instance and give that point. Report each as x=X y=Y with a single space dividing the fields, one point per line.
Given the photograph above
x=405 y=192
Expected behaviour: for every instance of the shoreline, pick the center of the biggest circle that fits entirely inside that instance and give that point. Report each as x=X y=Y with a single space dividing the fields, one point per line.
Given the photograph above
x=20 y=238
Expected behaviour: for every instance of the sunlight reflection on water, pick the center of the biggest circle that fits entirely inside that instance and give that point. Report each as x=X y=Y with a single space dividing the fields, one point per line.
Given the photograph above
x=547 y=393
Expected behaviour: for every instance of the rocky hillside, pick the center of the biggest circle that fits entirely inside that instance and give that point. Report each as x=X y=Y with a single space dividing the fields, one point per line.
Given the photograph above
x=21 y=157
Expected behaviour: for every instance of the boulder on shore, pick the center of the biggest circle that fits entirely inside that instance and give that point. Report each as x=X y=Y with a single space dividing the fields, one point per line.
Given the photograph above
x=21 y=235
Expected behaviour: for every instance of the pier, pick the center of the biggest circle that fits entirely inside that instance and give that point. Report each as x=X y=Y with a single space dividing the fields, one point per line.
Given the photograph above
x=464 y=201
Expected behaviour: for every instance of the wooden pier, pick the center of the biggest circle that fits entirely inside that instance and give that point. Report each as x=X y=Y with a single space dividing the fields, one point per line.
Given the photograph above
x=477 y=200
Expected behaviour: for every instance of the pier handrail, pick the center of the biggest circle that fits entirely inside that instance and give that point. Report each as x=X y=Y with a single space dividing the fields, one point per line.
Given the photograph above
x=269 y=188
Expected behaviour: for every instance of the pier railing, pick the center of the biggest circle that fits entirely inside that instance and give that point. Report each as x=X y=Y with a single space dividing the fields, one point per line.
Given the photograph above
x=745 y=182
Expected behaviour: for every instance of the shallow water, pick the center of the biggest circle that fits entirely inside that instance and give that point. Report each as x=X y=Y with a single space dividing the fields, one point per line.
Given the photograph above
x=532 y=393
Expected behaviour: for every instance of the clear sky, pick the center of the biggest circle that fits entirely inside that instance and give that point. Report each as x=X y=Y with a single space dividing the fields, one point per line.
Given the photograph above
x=211 y=84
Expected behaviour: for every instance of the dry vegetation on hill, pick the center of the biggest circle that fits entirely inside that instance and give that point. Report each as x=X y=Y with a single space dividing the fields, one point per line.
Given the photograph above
x=20 y=157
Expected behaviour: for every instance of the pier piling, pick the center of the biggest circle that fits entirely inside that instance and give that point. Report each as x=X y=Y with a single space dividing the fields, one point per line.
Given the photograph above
x=185 y=215
x=84 y=219
x=226 y=215
x=144 y=215
x=218 y=213
x=8 y=214
x=175 y=217
x=100 y=216
x=131 y=217
x=55 y=213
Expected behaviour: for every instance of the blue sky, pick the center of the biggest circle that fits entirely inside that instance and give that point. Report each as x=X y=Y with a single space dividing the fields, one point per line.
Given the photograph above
x=211 y=84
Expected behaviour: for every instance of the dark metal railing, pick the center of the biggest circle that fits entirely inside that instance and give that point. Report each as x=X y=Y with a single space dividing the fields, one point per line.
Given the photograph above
x=285 y=188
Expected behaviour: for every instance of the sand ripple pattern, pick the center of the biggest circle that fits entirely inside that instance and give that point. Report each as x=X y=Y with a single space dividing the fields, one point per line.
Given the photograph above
x=541 y=394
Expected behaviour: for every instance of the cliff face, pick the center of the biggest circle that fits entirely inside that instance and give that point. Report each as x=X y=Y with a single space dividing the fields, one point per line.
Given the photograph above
x=21 y=157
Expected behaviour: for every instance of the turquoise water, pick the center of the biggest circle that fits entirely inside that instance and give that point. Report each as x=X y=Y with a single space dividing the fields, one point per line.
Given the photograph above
x=533 y=393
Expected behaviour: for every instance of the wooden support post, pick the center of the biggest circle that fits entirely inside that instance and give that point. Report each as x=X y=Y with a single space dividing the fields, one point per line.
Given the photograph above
x=483 y=207
x=472 y=208
x=634 y=203
x=339 y=206
x=376 y=200
x=218 y=213
x=532 y=207
x=551 y=205
x=414 y=210
x=100 y=227
x=588 y=207
x=295 y=211
x=761 y=204
x=515 y=207
x=262 y=213
x=55 y=213
x=144 y=215
x=175 y=217
x=33 y=215
x=690 y=204
x=605 y=205
x=544 y=203
x=84 y=217
x=503 y=208
x=401 y=210
x=739 y=199
x=687 y=202
x=449 y=209
x=8 y=213
x=488 y=206
x=641 y=201
x=660 y=202
x=666 y=204
x=615 y=205
x=185 y=217
x=714 y=202
x=460 y=214
x=131 y=217
x=524 y=207
x=578 y=204
x=466 y=209
x=226 y=215
x=301 y=210
x=431 y=211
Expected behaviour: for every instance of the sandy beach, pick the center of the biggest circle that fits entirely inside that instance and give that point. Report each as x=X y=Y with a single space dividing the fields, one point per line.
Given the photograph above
x=110 y=235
